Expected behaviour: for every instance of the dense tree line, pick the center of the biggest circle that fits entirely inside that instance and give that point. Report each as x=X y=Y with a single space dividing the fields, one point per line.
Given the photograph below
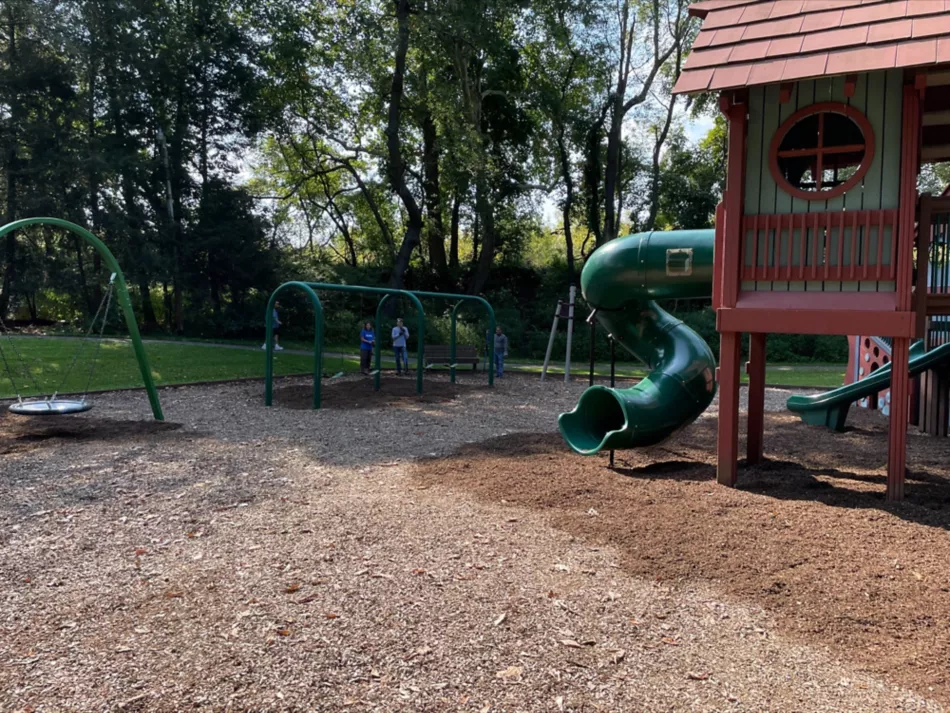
x=220 y=147
x=125 y=117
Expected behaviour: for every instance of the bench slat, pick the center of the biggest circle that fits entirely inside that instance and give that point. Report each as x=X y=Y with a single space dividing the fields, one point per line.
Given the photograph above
x=442 y=354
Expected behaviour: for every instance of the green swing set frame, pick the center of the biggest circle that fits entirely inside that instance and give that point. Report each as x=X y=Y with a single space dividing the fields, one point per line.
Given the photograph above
x=122 y=291
x=309 y=288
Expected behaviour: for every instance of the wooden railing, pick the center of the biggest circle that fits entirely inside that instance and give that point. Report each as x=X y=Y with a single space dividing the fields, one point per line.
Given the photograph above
x=834 y=246
x=933 y=263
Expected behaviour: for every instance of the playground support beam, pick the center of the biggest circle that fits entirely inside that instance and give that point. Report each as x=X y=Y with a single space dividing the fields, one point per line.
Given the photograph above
x=122 y=289
x=317 y=343
x=726 y=270
x=452 y=336
x=756 y=420
x=897 y=430
x=900 y=347
x=387 y=293
x=728 y=437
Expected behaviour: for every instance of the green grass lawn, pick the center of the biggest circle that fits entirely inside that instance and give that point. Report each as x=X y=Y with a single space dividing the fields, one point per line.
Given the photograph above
x=804 y=375
x=49 y=359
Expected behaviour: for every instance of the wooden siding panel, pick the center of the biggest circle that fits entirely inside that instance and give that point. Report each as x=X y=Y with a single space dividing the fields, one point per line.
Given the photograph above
x=890 y=141
x=878 y=95
x=754 y=151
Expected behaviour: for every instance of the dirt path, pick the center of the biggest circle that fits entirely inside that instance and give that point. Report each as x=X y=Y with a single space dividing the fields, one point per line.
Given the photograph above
x=285 y=560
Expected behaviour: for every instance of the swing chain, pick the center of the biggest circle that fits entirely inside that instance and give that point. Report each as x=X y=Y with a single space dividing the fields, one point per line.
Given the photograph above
x=107 y=302
x=102 y=331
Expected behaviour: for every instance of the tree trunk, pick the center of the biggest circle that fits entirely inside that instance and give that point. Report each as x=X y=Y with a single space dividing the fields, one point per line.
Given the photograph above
x=336 y=215
x=167 y=305
x=149 y=321
x=621 y=105
x=134 y=219
x=91 y=303
x=397 y=166
x=11 y=166
x=612 y=169
x=177 y=173
x=658 y=147
x=92 y=171
x=568 y=206
x=454 y=238
x=486 y=215
x=655 y=169
x=476 y=234
x=215 y=290
x=373 y=207
x=592 y=175
x=435 y=233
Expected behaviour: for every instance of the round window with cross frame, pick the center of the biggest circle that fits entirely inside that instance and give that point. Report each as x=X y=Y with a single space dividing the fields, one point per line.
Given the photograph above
x=822 y=151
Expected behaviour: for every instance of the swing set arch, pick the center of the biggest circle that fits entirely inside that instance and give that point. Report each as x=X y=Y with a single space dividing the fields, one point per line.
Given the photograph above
x=310 y=289
x=121 y=289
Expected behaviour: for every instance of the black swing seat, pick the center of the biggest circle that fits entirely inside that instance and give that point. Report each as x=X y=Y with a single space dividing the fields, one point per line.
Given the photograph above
x=51 y=407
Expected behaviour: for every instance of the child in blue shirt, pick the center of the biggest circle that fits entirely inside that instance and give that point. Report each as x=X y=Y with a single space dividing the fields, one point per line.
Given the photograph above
x=367 y=342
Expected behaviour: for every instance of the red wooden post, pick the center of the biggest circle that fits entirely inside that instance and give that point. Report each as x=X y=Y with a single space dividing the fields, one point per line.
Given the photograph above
x=907 y=208
x=728 y=445
x=717 y=256
x=733 y=200
x=897 y=435
x=730 y=266
x=904 y=239
x=756 y=422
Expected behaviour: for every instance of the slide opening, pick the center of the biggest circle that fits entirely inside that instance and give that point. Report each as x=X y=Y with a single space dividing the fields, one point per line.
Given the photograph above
x=598 y=413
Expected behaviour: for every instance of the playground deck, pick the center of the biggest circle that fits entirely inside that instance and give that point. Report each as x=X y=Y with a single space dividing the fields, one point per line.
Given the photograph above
x=300 y=560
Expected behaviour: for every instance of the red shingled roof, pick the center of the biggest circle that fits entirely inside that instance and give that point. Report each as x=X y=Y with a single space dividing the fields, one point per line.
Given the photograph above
x=750 y=42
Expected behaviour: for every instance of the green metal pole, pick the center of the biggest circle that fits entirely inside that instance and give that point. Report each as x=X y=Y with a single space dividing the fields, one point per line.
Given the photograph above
x=420 y=348
x=491 y=320
x=455 y=310
x=317 y=343
x=123 y=292
x=386 y=291
x=269 y=347
x=379 y=348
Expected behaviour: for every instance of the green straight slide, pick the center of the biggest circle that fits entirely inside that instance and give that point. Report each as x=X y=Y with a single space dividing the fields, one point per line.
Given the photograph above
x=831 y=408
x=620 y=281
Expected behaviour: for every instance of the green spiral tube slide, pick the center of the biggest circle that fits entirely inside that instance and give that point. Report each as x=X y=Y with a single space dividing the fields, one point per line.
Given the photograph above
x=621 y=280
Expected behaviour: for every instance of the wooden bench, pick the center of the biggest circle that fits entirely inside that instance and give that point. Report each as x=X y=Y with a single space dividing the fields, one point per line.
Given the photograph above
x=442 y=354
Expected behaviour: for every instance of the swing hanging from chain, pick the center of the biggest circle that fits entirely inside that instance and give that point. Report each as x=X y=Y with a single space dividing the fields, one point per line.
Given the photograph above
x=52 y=405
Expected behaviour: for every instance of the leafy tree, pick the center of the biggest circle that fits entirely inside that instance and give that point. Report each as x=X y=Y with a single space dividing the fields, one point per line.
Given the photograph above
x=691 y=180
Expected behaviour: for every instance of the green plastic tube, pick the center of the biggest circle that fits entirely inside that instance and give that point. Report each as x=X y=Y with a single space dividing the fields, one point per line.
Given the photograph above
x=621 y=280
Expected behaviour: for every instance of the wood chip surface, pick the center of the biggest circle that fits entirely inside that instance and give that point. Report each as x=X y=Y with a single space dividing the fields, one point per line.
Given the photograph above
x=238 y=558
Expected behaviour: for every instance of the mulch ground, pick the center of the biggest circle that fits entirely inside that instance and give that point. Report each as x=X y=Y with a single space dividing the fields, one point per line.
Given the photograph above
x=353 y=393
x=808 y=534
x=19 y=434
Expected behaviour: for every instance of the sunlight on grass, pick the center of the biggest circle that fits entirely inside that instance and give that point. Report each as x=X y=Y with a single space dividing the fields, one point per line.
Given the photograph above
x=50 y=365
x=69 y=366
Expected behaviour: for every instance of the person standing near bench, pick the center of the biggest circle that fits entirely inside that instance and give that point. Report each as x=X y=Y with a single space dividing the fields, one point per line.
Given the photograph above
x=400 y=335
x=367 y=342
x=501 y=351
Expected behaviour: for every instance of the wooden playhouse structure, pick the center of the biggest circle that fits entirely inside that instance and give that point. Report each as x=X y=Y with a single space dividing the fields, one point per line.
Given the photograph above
x=832 y=107
x=930 y=392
